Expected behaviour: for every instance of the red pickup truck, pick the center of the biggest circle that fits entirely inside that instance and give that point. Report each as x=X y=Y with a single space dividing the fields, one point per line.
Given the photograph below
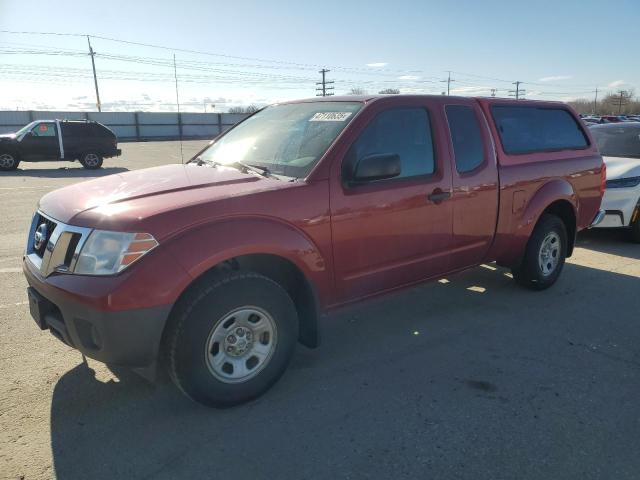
x=215 y=269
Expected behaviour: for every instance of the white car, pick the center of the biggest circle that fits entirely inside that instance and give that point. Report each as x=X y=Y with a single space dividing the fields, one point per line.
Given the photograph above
x=619 y=144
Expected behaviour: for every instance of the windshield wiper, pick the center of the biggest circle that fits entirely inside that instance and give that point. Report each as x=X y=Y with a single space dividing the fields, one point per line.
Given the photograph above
x=259 y=169
x=264 y=171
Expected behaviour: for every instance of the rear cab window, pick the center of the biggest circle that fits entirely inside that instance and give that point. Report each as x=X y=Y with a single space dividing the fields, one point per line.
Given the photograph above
x=466 y=137
x=530 y=129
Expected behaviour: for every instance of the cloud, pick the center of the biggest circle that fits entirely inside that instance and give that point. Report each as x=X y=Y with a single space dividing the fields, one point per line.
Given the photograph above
x=554 y=78
x=408 y=77
x=377 y=64
x=617 y=83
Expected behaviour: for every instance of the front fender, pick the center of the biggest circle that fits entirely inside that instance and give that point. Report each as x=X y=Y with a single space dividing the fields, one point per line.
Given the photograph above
x=201 y=248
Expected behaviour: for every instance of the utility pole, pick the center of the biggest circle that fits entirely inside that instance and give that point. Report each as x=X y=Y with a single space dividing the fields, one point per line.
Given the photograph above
x=595 y=103
x=325 y=91
x=95 y=78
x=517 y=92
x=622 y=100
x=448 y=80
x=493 y=92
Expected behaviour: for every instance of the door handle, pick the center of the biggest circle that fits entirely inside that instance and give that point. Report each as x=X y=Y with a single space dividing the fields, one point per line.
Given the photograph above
x=438 y=195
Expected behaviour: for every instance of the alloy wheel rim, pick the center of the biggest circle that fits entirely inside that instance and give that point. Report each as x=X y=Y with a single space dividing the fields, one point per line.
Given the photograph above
x=241 y=344
x=549 y=254
x=6 y=160
x=91 y=159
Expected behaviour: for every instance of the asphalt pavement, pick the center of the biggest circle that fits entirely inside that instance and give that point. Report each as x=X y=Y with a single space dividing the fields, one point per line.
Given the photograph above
x=470 y=377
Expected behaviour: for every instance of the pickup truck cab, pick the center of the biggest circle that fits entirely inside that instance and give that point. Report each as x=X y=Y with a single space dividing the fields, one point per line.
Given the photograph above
x=46 y=140
x=215 y=269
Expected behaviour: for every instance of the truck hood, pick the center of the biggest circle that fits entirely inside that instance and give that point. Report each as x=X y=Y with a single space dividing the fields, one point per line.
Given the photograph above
x=622 y=167
x=8 y=137
x=127 y=200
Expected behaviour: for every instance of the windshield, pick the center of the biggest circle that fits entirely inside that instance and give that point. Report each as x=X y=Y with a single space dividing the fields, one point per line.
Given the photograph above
x=618 y=141
x=25 y=129
x=286 y=139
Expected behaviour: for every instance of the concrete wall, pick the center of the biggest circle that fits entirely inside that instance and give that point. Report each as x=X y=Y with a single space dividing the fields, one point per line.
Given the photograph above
x=135 y=125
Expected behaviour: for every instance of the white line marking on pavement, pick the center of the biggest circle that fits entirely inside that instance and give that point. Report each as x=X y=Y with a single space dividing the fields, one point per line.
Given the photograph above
x=10 y=270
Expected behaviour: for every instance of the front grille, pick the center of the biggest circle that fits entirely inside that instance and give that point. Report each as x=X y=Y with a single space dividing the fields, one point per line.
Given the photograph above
x=51 y=225
x=58 y=250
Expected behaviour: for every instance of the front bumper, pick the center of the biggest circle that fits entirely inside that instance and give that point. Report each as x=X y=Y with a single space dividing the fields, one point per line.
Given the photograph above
x=620 y=205
x=129 y=338
x=598 y=218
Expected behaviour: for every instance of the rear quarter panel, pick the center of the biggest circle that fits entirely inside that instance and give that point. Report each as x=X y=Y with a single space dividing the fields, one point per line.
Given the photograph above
x=529 y=183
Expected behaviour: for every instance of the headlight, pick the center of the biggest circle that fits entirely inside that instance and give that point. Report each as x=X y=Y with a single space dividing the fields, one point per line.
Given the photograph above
x=629 y=182
x=107 y=253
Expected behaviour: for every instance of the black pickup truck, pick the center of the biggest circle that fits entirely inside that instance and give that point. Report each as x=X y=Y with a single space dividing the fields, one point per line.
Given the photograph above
x=86 y=141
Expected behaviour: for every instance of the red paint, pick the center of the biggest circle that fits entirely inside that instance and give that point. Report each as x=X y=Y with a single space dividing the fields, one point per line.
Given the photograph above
x=349 y=243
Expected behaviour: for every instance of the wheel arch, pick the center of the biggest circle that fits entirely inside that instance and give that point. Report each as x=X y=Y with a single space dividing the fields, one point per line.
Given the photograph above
x=557 y=197
x=282 y=271
x=281 y=252
x=566 y=212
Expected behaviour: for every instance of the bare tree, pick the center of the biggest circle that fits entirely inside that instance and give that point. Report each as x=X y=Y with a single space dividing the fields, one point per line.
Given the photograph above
x=618 y=103
x=389 y=91
x=357 y=91
x=249 y=109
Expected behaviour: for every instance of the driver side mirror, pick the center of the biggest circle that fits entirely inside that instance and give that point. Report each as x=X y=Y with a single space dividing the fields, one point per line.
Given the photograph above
x=378 y=166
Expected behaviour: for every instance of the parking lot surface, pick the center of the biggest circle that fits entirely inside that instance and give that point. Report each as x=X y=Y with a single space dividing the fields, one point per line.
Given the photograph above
x=470 y=377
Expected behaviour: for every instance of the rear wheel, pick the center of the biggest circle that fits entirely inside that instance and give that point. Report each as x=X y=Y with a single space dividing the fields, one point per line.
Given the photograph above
x=231 y=339
x=91 y=160
x=8 y=161
x=545 y=254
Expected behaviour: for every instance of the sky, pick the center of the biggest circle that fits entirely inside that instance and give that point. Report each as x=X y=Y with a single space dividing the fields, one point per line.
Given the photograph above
x=256 y=52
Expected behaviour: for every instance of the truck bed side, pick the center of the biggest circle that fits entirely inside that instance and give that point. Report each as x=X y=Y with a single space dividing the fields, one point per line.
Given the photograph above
x=564 y=182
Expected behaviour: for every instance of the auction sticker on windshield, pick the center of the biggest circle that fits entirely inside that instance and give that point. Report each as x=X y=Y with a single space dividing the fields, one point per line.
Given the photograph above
x=330 y=117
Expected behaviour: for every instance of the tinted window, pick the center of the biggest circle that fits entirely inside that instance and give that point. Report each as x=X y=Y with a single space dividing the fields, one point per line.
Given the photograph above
x=74 y=129
x=533 y=129
x=618 y=141
x=466 y=137
x=405 y=132
x=98 y=130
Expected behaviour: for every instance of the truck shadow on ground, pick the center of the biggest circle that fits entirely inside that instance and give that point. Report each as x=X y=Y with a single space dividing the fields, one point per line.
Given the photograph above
x=614 y=241
x=436 y=379
x=64 y=172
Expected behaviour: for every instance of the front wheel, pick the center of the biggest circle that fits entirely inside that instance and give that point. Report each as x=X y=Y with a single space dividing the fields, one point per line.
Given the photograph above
x=8 y=162
x=545 y=254
x=231 y=339
x=91 y=161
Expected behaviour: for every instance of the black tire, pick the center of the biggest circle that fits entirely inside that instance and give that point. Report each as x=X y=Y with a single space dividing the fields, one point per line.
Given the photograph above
x=8 y=161
x=201 y=312
x=531 y=273
x=91 y=160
